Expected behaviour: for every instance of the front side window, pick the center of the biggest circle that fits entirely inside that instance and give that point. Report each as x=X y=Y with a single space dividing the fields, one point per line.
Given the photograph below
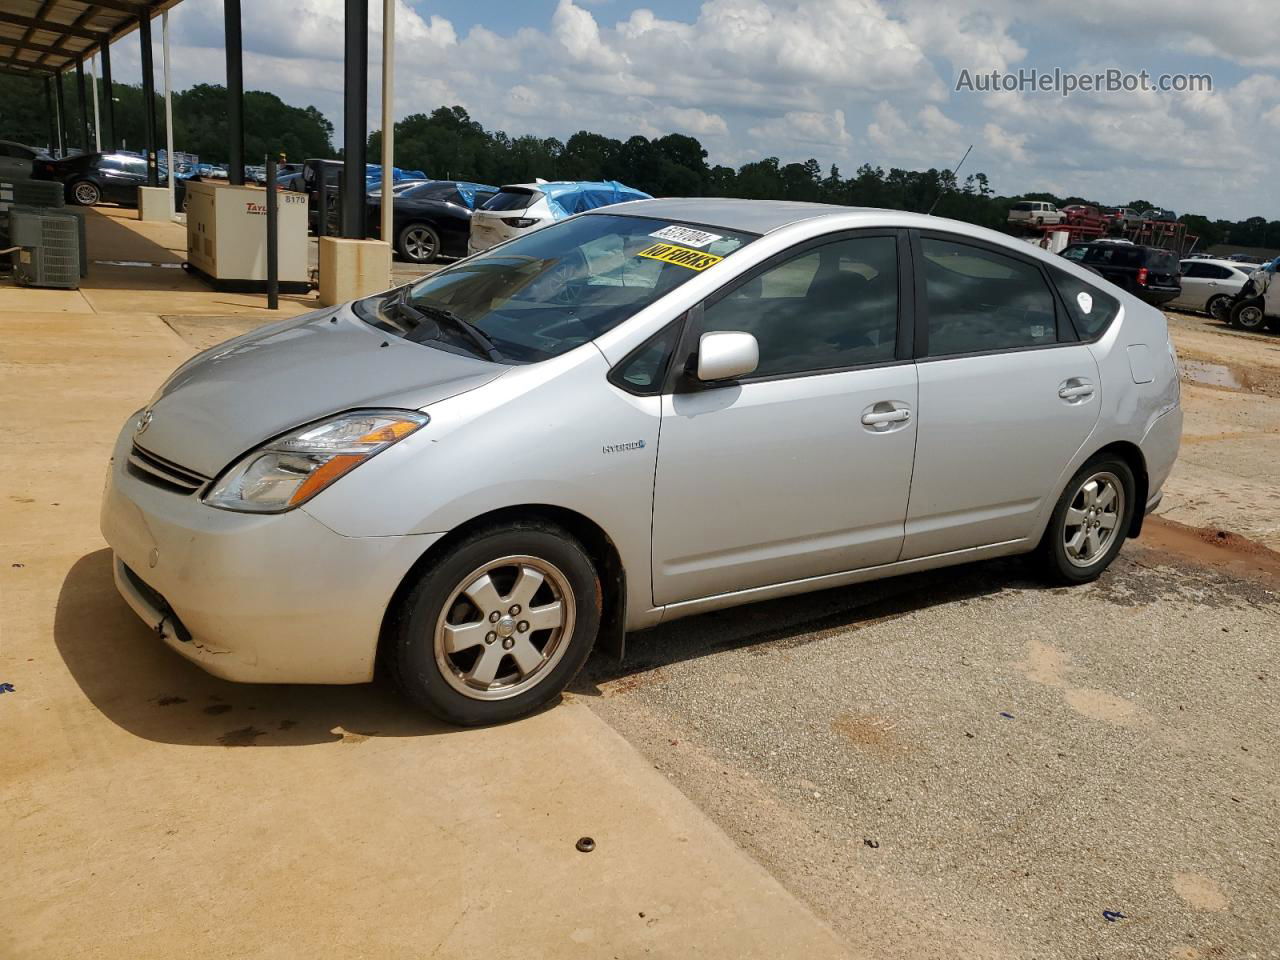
x=830 y=307
x=551 y=290
x=979 y=301
x=1191 y=268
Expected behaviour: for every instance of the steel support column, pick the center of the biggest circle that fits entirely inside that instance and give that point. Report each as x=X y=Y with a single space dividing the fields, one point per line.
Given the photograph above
x=388 y=115
x=109 y=131
x=355 y=121
x=97 y=115
x=62 y=115
x=168 y=112
x=82 y=101
x=235 y=91
x=48 y=109
x=148 y=99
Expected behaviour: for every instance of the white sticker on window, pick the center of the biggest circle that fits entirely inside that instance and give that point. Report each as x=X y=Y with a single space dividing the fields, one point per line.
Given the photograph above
x=687 y=236
x=1085 y=301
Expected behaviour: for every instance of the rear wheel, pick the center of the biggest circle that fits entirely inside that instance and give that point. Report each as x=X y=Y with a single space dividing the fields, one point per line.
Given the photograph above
x=1219 y=307
x=1249 y=315
x=86 y=193
x=1089 y=522
x=418 y=243
x=498 y=627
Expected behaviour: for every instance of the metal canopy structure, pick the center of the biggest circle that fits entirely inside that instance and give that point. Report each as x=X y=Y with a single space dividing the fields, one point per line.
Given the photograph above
x=41 y=38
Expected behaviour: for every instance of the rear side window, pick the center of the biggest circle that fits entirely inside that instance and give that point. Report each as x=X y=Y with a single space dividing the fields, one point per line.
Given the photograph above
x=828 y=308
x=1090 y=310
x=511 y=200
x=979 y=301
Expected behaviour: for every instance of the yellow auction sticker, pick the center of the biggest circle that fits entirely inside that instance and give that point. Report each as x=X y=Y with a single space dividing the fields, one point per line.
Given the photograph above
x=680 y=256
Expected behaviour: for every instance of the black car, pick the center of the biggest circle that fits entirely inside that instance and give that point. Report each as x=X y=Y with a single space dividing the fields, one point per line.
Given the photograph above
x=430 y=218
x=1151 y=274
x=92 y=178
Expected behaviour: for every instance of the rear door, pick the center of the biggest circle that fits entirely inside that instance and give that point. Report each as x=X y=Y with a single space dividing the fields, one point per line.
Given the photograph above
x=1007 y=395
x=804 y=467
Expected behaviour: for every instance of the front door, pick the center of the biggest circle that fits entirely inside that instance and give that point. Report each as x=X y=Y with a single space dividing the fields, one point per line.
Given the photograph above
x=804 y=467
x=1007 y=397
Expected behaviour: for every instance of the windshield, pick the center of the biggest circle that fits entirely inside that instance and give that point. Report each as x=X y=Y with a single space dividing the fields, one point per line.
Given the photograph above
x=512 y=200
x=551 y=290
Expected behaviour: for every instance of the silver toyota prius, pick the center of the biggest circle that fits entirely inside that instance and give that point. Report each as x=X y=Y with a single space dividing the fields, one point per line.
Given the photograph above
x=644 y=412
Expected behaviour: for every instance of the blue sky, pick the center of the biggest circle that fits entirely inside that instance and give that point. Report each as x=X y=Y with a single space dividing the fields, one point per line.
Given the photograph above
x=842 y=81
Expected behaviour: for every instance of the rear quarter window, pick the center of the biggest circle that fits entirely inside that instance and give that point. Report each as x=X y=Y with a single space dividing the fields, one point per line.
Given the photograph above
x=1090 y=309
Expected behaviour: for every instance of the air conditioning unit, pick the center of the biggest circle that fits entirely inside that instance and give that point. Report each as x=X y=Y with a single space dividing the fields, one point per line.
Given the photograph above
x=50 y=242
x=31 y=193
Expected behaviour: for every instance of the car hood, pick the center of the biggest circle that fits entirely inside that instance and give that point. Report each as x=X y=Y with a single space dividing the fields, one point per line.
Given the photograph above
x=229 y=399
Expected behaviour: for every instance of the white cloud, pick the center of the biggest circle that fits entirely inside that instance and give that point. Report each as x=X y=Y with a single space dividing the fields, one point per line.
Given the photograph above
x=844 y=81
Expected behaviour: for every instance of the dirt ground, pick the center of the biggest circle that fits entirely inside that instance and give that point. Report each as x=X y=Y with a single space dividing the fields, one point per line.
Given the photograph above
x=965 y=764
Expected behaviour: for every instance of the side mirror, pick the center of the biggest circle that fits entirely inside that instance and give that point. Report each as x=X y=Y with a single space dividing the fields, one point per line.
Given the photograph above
x=723 y=356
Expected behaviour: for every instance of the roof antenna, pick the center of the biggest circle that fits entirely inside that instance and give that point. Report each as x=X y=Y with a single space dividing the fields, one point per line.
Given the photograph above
x=953 y=173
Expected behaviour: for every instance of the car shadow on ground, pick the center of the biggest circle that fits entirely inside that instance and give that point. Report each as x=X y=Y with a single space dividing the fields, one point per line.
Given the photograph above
x=791 y=622
x=141 y=685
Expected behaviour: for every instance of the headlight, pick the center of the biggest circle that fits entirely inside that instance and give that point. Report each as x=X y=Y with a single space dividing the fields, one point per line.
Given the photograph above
x=292 y=469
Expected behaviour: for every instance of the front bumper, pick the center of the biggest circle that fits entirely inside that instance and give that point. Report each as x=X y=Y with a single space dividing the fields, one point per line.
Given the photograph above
x=256 y=598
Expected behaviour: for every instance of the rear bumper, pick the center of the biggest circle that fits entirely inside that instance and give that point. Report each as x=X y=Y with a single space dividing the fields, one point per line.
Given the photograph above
x=253 y=598
x=1157 y=296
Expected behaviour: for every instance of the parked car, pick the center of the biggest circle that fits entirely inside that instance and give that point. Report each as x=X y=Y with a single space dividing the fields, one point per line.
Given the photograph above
x=1149 y=273
x=1257 y=305
x=1081 y=213
x=522 y=207
x=17 y=160
x=1209 y=286
x=430 y=218
x=649 y=411
x=94 y=178
x=1034 y=213
x=1121 y=217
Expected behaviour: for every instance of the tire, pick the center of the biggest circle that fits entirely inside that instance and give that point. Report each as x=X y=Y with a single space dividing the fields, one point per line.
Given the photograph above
x=1249 y=315
x=418 y=243
x=446 y=650
x=1069 y=523
x=85 y=193
x=1219 y=307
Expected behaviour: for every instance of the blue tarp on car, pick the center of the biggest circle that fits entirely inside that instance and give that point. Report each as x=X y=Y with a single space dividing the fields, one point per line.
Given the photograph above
x=373 y=174
x=467 y=191
x=565 y=198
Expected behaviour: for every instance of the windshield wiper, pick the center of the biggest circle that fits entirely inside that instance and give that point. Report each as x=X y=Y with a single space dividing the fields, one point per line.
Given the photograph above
x=440 y=313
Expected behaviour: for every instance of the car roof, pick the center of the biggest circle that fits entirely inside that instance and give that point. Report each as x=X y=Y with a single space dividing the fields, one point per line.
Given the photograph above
x=748 y=216
x=1221 y=262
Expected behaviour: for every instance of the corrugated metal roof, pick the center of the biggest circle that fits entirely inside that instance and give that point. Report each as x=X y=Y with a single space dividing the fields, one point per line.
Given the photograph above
x=42 y=37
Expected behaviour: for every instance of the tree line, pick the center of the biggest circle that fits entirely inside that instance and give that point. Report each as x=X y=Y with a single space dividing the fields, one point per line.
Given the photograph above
x=448 y=143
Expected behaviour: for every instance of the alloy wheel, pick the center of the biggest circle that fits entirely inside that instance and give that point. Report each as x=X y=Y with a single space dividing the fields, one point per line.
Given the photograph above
x=1092 y=521
x=419 y=244
x=86 y=194
x=504 y=627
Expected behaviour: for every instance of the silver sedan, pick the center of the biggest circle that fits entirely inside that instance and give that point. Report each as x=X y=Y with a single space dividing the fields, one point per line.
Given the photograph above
x=644 y=412
x=1208 y=286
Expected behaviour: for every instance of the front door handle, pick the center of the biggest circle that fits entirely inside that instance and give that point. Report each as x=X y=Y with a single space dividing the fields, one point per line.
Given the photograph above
x=888 y=416
x=1075 y=390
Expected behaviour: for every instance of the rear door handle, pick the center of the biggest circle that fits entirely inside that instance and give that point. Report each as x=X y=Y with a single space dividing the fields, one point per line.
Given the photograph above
x=1075 y=390
x=888 y=416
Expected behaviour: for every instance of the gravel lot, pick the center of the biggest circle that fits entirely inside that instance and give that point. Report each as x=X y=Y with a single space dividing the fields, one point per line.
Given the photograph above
x=967 y=764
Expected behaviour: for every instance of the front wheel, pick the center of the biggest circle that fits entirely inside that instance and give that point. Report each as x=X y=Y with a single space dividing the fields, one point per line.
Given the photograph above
x=418 y=243
x=1089 y=522
x=86 y=193
x=1249 y=315
x=497 y=627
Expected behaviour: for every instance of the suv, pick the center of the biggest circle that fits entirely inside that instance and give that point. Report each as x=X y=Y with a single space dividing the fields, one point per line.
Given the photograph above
x=1034 y=212
x=1149 y=273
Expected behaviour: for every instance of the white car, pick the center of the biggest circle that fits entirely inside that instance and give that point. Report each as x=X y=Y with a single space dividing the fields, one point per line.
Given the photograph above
x=1034 y=213
x=1209 y=285
x=522 y=207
